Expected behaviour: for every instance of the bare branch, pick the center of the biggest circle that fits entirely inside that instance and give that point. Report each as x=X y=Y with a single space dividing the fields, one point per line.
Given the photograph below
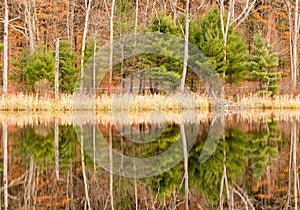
x=19 y=29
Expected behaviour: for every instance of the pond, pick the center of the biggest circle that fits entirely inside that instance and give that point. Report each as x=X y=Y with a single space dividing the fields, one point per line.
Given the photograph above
x=246 y=160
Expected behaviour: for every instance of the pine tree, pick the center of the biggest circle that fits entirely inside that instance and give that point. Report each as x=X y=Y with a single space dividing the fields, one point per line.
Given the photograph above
x=206 y=33
x=262 y=61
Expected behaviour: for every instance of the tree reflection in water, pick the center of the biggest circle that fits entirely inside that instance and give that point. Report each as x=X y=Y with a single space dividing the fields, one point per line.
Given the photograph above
x=254 y=166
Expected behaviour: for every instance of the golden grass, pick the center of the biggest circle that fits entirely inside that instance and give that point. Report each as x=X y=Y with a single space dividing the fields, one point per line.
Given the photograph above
x=254 y=101
x=23 y=102
x=140 y=103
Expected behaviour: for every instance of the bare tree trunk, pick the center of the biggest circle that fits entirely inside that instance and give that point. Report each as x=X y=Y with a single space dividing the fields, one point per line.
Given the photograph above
x=56 y=148
x=185 y=33
x=5 y=165
x=186 y=170
x=136 y=16
x=87 y=8
x=94 y=68
x=230 y=19
x=71 y=4
x=56 y=81
x=294 y=34
x=186 y=44
x=30 y=23
x=5 y=40
x=111 y=38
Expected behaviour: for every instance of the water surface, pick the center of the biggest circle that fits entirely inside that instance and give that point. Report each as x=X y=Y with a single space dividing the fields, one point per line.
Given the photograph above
x=253 y=163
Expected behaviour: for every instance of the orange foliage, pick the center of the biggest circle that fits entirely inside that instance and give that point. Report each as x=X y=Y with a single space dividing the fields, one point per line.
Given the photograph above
x=257 y=16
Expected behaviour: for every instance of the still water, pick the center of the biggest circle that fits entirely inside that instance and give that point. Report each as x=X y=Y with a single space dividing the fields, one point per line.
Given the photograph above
x=150 y=161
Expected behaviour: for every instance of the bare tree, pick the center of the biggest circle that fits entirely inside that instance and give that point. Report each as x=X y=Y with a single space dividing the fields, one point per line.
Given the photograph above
x=110 y=14
x=5 y=40
x=185 y=32
x=294 y=23
x=87 y=9
x=232 y=18
x=70 y=21
x=31 y=29
x=56 y=81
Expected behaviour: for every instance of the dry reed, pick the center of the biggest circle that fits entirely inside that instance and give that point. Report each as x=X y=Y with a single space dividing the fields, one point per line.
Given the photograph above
x=139 y=103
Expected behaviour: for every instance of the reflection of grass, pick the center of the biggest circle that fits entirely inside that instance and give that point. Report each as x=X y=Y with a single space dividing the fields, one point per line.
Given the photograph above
x=22 y=118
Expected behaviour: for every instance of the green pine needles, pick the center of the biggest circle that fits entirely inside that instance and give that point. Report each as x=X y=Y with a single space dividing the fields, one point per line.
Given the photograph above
x=263 y=65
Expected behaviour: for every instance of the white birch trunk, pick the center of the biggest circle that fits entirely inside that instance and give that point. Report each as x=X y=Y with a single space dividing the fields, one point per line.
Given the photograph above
x=88 y=4
x=136 y=16
x=111 y=37
x=56 y=80
x=5 y=50
x=30 y=24
x=230 y=19
x=294 y=34
x=186 y=44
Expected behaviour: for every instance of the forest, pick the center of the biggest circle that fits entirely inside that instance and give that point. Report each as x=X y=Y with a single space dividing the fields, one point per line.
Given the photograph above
x=251 y=44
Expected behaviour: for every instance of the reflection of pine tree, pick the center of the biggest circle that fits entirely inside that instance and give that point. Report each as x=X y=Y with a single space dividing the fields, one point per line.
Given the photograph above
x=262 y=147
x=35 y=145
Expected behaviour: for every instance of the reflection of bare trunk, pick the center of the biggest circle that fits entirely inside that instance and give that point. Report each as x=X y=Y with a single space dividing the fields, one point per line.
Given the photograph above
x=136 y=195
x=293 y=168
x=71 y=190
x=224 y=180
x=56 y=148
x=84 y=173
x=294 y=142
x=5 y=166
x=186 y=175
x=94 y=148
x=111 y=177
x=29 y=184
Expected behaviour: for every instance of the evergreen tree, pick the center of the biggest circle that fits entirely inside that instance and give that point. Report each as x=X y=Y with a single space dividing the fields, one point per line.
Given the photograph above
x=261 y=63
x=67 y=71
x=34 y=67
x=206 y=33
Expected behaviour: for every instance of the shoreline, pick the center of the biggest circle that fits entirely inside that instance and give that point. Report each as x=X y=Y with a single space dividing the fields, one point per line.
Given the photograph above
x=140 y=103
